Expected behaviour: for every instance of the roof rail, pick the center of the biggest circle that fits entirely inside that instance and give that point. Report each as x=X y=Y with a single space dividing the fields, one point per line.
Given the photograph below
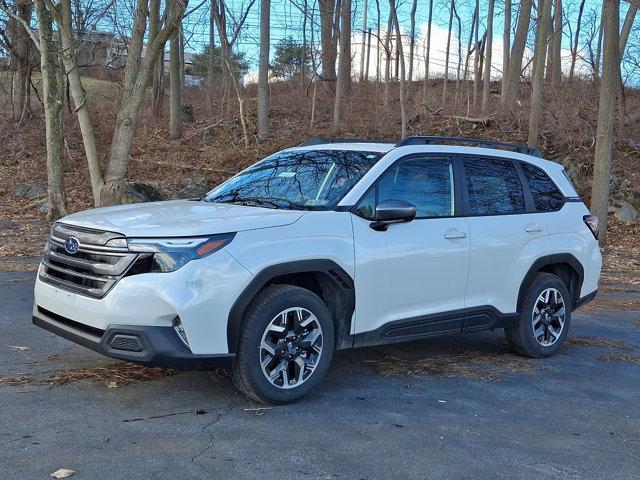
x=476 y=142
x=321 y=140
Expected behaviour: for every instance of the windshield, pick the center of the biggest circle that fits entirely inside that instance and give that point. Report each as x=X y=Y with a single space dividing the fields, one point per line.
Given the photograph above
x=300 y=180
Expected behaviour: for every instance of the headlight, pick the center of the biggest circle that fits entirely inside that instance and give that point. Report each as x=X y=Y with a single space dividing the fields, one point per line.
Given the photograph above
x=169 y=254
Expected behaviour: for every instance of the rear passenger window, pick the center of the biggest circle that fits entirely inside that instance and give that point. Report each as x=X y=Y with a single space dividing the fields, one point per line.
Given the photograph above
x=494 y=187
x=546 y=195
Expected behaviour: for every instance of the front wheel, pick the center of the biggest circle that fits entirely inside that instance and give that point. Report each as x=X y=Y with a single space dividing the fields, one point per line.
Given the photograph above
x=544 y=317
x=286 y=345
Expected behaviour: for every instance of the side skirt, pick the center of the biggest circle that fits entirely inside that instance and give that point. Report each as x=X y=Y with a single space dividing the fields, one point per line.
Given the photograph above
x=448 y=323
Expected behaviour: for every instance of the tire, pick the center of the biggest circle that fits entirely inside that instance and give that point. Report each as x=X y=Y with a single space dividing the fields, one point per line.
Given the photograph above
x=296 y=345
x=552 y=328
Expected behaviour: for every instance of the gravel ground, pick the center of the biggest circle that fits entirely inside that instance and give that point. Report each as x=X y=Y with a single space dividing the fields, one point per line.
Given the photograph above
x=455 y=407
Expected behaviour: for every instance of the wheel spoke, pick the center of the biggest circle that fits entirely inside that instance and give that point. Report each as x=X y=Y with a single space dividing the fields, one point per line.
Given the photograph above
x=291 y=347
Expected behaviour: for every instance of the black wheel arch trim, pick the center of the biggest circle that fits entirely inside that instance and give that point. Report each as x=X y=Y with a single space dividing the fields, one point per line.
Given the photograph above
x=554 y=259
x=328 y=267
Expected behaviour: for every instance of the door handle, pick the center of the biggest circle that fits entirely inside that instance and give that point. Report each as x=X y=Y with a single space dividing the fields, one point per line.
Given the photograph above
x=533 y=228
x=454 y=233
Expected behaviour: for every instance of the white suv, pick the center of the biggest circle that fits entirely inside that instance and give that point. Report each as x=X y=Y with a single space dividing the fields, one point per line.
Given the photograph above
x=330 y=245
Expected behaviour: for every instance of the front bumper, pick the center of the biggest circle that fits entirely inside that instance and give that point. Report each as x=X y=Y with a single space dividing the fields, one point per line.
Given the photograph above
x=145 y=344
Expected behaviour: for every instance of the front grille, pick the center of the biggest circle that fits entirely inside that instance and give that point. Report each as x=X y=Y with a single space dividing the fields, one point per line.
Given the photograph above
x=93 y=270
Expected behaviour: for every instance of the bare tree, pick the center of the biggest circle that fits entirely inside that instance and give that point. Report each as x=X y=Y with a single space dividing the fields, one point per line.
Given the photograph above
x=20 y=46
x=574 y=48
x=329 y=11
x=412 y=39
x=596 y=63
x=386 y=96
x=403 y=106
x=225 y=49
x=427 y=55
x=606 y=112
x=487 y=64
x=554 y=70
x=510 y=94
x=364 y=41
x=477 y=56
x=626 y=26
x=344 y=65
x=263 y=71
x=506 y=42
x=539 y=57
x=107 y=187
x=175 y=86
x=53 y=113
x=446 y=55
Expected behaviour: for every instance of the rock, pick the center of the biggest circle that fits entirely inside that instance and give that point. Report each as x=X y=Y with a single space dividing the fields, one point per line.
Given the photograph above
x=625 y=212
x=25 y=190
x=633 y=145
x=44 y=208
x=138 y=192
x=194 y=188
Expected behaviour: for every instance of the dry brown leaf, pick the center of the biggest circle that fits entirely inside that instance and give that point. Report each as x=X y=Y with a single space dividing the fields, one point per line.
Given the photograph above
x=18 y=348
x=62 y=473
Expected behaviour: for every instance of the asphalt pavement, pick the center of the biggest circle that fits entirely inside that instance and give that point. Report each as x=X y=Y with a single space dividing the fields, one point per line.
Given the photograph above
x=449 y=408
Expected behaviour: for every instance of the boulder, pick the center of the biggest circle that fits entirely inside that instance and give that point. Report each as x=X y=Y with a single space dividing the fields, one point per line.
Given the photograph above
x=138 y=192
x=625 y=212
x=26 y=190
x=194 y=188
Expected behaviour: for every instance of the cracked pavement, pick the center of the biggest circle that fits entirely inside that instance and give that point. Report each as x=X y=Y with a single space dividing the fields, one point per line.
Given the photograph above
x=571 y=416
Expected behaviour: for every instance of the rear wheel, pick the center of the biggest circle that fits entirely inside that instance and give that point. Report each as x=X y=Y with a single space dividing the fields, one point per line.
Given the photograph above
x=286 y=345
x=544 y=318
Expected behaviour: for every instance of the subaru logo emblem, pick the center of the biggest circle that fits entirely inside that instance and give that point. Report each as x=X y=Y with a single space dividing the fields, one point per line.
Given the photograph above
x=71 y=245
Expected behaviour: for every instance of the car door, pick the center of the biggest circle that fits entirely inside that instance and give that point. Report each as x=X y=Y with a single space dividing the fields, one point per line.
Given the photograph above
x=507 y=235
x=411 y=275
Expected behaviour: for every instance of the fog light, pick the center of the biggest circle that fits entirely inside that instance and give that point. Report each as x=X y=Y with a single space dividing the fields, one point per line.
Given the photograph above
x=179 y=329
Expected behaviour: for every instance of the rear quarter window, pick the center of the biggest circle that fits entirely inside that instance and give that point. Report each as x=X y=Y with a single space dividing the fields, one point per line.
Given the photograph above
x=546 y=196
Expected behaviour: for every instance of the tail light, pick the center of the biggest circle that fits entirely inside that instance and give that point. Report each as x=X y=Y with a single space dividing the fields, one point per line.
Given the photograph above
x=592 y=222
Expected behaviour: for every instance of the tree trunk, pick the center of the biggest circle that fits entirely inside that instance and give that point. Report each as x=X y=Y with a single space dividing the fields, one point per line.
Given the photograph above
x=126 y=119
x=506 y=43
x=459 y=64
x=606 y=112
x=574 y=49
x=263 y=72
x=21 y=48
x=364 y=41
x=476 y=59
x=510 y=94
x=487 y=64
x=427 y=55
x=79 y=96
x=538 y=70
x=378 y=42
x=446 y=56
x=412 y=39
x=52 y=112
x=626 y=27
x=624 y=37
x=387 y=64
x=328 y=51
x=211 y=62
x=596 y=65
x=175 y=86
x=403 y=109
x=183 y=73
x=555 y=72
x=344 y=65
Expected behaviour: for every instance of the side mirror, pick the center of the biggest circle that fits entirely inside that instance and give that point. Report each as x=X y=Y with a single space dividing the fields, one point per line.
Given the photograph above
x=392 y=211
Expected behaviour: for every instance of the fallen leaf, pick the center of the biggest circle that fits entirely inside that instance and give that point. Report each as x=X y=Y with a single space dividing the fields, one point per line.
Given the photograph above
x=112 y=385
x=18 y=348
x=62 y=473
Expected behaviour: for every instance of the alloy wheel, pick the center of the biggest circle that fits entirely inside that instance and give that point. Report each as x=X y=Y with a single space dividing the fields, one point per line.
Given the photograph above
x=291 y=347
x=548 y=317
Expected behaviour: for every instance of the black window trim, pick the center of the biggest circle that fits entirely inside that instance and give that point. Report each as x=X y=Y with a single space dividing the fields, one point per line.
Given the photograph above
x=458 y=198
x=462 y=207
x=565 y=199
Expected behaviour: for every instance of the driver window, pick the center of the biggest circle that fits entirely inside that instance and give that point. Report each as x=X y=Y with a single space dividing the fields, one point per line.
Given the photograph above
x=426 y=183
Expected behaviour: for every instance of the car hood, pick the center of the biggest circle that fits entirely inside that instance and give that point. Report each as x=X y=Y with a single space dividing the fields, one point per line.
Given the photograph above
x=180 y=218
